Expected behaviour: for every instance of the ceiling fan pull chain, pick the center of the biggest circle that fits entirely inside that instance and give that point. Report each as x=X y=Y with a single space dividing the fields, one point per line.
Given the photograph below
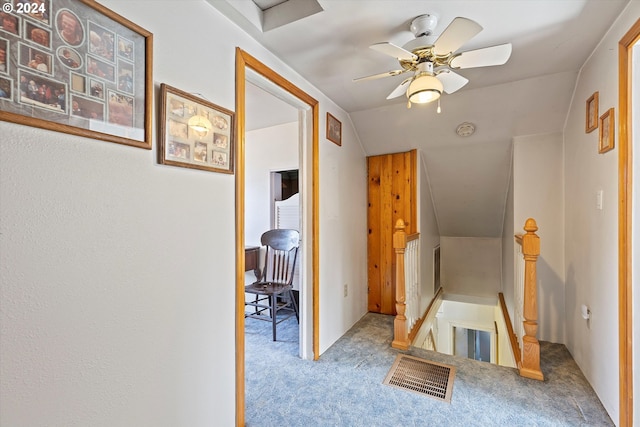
x=439 y=110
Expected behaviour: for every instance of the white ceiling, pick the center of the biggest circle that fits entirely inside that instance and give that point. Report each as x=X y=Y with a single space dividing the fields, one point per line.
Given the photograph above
x=530 y=94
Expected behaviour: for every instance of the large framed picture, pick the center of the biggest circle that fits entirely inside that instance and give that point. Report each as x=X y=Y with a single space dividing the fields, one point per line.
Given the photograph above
x=194 y=133
x=77 y=67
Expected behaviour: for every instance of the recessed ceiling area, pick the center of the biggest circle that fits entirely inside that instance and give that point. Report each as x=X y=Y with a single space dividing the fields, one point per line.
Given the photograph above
x=266 y=15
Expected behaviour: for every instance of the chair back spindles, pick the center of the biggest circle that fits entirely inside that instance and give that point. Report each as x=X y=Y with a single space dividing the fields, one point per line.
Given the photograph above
x=274 y=289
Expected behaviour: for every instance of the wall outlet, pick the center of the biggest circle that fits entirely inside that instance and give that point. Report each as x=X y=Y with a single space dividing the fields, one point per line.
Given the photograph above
x=346 y=290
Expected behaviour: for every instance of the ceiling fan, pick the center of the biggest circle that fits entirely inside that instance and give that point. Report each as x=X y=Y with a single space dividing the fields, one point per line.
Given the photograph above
x=432 y=62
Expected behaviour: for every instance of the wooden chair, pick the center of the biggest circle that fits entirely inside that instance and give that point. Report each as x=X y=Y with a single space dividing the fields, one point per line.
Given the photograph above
x=273 y=290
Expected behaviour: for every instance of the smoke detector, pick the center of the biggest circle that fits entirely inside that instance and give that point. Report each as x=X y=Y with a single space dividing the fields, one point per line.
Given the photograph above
x=465 y=129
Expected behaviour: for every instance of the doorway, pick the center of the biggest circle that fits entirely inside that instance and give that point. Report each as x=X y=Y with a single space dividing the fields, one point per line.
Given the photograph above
x=249 y=69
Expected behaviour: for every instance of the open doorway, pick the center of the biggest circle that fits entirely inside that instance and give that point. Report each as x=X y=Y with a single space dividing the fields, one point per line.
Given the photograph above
x=249 y=69
x=272 y=201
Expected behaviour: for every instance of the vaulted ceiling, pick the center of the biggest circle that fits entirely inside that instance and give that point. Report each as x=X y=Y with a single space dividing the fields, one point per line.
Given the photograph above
x=530 y=94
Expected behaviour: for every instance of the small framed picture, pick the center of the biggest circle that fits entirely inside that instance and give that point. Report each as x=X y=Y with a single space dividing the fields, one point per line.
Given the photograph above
x=607 y=131
x=334 y=130
x=194 y=133
x=591 y=121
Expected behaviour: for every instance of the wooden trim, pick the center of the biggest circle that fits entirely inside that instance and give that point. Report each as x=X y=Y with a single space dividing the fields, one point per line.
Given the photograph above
x=518 y=238
x=413 y=236
x=530 y=345
x=413 y=213
x=243 y=61
x=418 y=325
x=239 y=181
x=625 y=179
x=400 y=333
x=515 y=348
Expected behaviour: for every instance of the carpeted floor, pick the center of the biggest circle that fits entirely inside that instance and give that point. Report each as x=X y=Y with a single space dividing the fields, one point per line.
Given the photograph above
x=344 y=387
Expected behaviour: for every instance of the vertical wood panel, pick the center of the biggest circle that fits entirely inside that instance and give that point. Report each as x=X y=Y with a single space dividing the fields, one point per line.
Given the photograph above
x=388 y=295
x=392 y=196
x=373 y=238
x=413 y=191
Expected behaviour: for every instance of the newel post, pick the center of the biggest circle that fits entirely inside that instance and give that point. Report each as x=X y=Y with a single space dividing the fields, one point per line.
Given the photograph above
x=531 y=347
x=400 y=333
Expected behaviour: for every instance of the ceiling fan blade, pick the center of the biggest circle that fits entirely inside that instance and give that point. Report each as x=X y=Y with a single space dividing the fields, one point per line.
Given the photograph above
x=380 y=75
x=401 y=89
x=451 y=81
x=393 y=50
x=459 y=31
x=486 y=57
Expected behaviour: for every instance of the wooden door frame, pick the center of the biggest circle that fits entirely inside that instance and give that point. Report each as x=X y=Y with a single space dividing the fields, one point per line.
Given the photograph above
x=244 y=61
x=625 y=237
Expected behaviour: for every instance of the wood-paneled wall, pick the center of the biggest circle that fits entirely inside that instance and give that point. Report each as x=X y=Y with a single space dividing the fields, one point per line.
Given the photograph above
x=392 y=194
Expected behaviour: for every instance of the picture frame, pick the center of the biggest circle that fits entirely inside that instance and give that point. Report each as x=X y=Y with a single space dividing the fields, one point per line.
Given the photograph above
x=194 y=133
x=591 y=118
x=334 y=129
x=53 y=49
x=606 y=134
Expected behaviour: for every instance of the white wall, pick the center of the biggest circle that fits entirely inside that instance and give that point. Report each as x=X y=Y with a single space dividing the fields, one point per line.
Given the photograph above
x=429 y=233
x=591 y=250
x=267 y=150
x=538 y=194
x=466 y=315
x=508 y=246
x=471 y=265
x=118 y=274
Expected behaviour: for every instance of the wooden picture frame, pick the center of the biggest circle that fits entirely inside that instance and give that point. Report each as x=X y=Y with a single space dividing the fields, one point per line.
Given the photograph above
x=591 y=118
x=334 y=130
x=53 y=47
x=194 y=133
x=606 y=134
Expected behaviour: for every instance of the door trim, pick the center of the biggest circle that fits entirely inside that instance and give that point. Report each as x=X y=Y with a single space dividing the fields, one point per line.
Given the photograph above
x=625 y=237
x=244 y=61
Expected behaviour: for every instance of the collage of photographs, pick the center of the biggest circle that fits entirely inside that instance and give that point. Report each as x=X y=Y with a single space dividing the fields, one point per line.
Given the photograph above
x=195 y=133
x=65 y=57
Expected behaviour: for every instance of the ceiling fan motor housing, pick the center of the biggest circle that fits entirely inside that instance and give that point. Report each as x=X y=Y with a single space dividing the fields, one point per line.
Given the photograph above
x=423 y=25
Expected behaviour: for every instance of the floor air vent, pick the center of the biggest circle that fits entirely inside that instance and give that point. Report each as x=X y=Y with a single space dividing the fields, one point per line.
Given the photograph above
x=421 y=376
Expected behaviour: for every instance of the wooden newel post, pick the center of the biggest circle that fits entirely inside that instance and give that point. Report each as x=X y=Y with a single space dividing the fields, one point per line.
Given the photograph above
x=531 y=347
x=400 y=332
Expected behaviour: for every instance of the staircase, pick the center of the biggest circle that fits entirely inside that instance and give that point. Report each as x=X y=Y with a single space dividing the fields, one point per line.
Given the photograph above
x=413 y=328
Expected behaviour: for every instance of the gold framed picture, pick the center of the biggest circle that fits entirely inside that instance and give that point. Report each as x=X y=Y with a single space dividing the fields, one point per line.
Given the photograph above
x=334 y=130
x=194 y=133
x=591 y=121
x=607 y=131
x=50 y=51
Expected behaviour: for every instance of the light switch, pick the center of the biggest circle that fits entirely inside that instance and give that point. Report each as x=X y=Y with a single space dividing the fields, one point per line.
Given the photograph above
x=599 y=200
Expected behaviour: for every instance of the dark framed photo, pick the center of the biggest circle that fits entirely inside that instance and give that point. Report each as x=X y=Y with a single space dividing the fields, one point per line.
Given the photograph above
x=334 y=130
x=194 y=133
x=77 y=67
x=591 y=120
x=606 y=140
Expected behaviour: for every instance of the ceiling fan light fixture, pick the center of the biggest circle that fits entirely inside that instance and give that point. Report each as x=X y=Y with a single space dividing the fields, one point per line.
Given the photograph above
x=424 y=89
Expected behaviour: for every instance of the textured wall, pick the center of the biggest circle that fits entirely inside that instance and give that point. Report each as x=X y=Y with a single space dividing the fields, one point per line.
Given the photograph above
x=117 y=274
